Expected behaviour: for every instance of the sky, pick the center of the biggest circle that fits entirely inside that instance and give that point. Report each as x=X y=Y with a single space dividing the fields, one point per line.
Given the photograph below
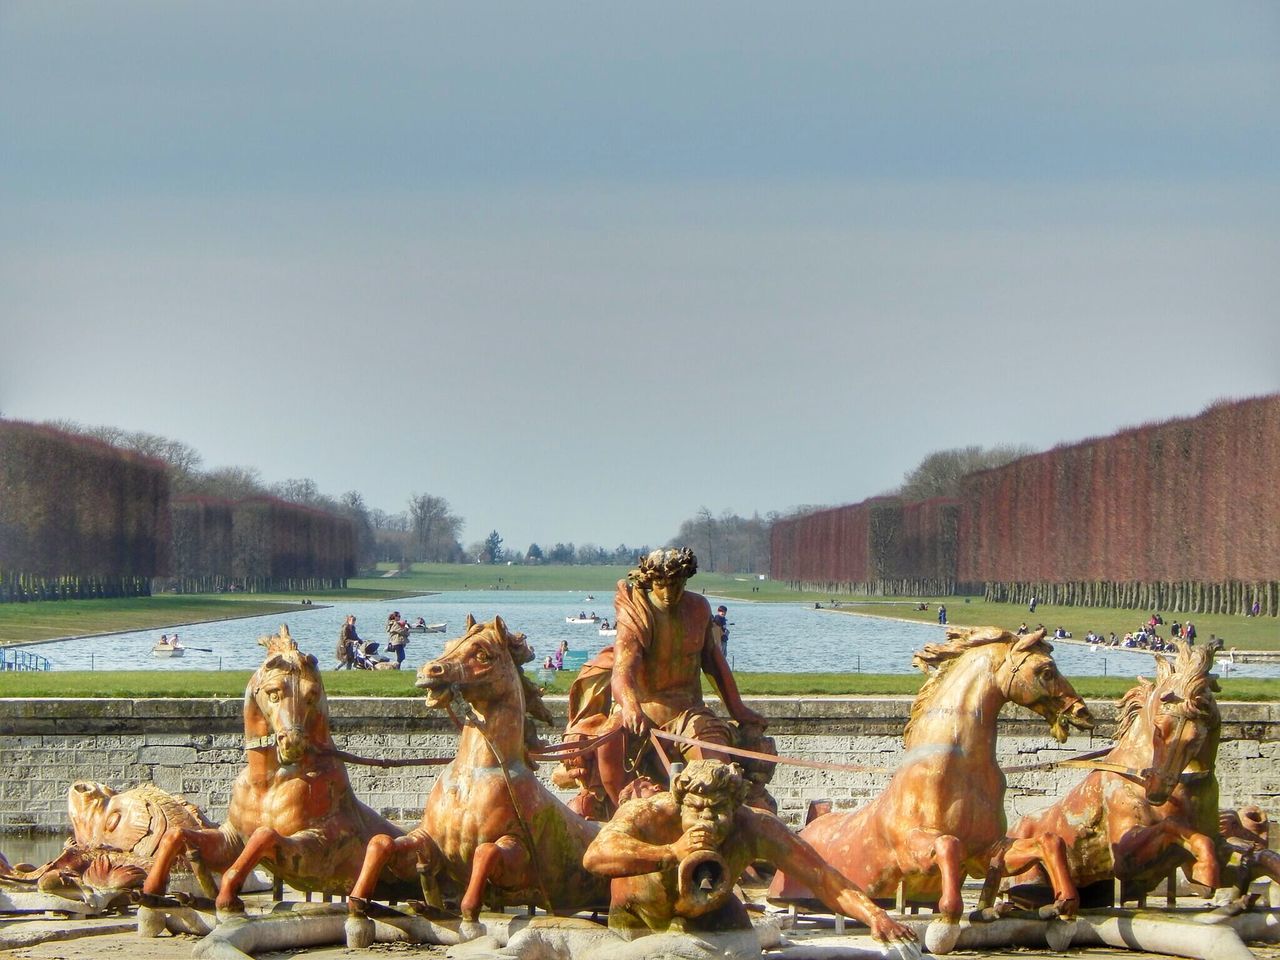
x=583 y=269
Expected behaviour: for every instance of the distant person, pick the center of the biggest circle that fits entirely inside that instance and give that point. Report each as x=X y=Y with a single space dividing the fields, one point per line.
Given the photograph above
x=557 y=659
x=163 y=641
x=1022 y=628
x=349 y=643
x=942 y=613
x=1032 y=605
x=721 y=622
x=1189 y=632
x=397 y=636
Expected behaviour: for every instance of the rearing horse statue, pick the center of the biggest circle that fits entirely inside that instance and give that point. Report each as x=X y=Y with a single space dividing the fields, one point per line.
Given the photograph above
x=942 y=815
x=1115 y=822
x=489 y=823
x=292 y=807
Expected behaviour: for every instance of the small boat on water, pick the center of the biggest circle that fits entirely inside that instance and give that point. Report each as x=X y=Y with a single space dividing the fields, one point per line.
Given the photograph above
x=168 y=650
x=429 y=627
x=611 y=632
x=581 y=619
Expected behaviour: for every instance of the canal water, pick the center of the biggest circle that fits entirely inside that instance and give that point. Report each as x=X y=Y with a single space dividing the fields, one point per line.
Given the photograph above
x=763 y=637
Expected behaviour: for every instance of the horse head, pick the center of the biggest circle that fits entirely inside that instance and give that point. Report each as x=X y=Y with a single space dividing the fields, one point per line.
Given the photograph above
x=482 y=665
x=285 y=704
x=1029 y=676
x=1173 y=715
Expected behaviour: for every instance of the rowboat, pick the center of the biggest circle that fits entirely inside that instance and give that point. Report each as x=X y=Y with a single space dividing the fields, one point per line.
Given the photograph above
x=429 y=627
x=581 y=619
x=165 y=650
x=608 y=633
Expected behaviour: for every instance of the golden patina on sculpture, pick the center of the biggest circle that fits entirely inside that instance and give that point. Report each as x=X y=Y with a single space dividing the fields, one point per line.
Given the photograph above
x=674 y=858
x=489 y=827
x=651 y=680
x=292 y=808
x=114 y=839
x=1152 y=806
x=1110 y=820
x=942 y=815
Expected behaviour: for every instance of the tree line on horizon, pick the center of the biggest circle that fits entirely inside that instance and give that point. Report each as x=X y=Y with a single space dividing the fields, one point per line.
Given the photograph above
x=1180 y=515
x=428 y=529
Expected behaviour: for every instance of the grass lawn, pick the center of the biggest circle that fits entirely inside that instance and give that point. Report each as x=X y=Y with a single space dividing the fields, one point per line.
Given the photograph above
x=391 y=683
x=50 y=619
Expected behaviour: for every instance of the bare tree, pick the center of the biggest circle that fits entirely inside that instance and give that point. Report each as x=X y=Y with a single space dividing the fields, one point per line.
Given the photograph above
x=230 y=483
x=435 y=527
x=940 y=473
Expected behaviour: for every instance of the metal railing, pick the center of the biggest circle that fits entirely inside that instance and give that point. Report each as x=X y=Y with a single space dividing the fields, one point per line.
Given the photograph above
x=22 y=660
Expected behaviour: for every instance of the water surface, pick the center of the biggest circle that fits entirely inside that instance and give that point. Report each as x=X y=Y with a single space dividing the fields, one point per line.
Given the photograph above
x=764 y=637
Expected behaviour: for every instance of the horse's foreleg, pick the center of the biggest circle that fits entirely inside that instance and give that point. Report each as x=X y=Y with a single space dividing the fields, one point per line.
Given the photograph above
x=261 y=842
x=926 y=851
x=381 y=848
x=1050 y=851
x=207 y=849
x=1140 y=847
x=503 y=861
x=929 y=850
x=213 y=849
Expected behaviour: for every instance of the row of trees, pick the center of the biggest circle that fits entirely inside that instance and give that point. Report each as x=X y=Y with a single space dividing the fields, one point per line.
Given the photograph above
x=1171 y=504
x=426 y=530
x=78 y=518
x=1180 y=515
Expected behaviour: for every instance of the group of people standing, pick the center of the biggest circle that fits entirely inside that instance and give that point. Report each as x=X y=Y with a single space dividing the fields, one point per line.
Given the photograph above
x=356 y=653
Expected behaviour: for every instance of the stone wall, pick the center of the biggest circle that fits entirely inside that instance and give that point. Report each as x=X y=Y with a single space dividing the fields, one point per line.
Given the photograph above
x=193 y=747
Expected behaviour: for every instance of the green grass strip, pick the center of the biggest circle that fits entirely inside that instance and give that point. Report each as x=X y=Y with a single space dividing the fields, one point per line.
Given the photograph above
x=393 y=683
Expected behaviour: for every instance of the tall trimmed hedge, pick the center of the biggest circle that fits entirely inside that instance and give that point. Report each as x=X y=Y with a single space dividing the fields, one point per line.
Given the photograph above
x=202 y=544
x=876 y=547
x=1180 y=515
x=277 y=545
x=78 y=518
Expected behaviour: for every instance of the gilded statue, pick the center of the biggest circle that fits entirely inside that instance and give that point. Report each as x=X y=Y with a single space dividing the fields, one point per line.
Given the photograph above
x=651 y=680
x=673 y=859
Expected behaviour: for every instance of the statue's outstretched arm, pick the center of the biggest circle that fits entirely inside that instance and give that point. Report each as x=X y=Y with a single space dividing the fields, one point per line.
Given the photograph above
x=790 y=853
x=715 y=666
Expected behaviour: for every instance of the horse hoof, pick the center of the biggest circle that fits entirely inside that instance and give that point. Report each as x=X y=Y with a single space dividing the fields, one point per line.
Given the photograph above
x=150 y=922
x=470 y=930
x=359 y=933
x=992 y=913
x=231 y=911
x=1058 y=934
x=941 y=936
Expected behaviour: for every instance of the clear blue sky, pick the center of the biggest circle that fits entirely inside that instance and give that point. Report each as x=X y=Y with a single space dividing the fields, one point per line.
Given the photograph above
x=582 y=269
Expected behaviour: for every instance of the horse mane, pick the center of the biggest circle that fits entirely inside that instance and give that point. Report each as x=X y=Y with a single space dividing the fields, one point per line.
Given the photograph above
x=283 y=652
x=280 y=642
x=1189 y=675
x=940 y=658
x=517 y=646
x=1129 y=706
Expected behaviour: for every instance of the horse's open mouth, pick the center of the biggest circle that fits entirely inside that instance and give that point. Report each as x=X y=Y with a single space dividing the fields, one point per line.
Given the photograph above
x=1075 y=715
x=438 y=689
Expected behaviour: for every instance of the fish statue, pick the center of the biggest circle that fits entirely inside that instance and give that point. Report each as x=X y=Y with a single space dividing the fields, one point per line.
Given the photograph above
x=114 y=839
